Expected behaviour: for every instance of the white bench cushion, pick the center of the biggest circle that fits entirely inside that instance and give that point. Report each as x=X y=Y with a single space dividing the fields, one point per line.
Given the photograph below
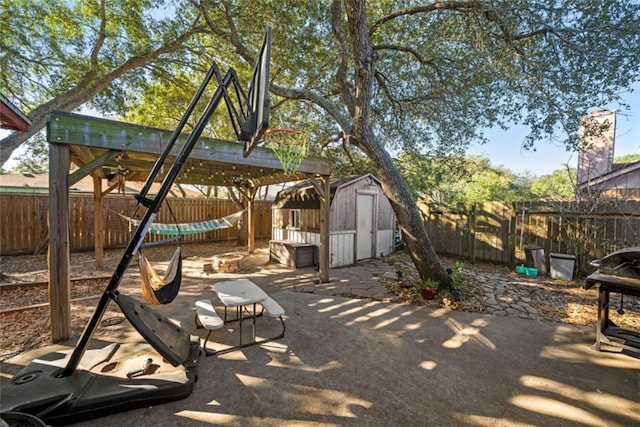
x=273 y=308
x=207 y=316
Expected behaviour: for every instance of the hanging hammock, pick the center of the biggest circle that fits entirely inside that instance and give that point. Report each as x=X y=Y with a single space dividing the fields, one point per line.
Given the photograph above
x=189 y=228
x=161 y=290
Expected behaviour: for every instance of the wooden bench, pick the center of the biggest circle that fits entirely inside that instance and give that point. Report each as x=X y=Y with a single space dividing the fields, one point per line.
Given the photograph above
x=207 y=318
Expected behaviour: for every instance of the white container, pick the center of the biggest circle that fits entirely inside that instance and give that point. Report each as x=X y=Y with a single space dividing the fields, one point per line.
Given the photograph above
x=562 y=266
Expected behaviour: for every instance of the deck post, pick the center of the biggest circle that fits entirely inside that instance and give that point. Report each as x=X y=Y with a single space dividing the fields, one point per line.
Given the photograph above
x=98 y=223
x=325 y=238
x=59 y=251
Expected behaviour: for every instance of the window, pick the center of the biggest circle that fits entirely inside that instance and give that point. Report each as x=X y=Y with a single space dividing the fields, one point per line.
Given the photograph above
x=294 y=218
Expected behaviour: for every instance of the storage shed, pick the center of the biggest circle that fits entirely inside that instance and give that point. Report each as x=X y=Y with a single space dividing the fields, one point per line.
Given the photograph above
x=362 y=223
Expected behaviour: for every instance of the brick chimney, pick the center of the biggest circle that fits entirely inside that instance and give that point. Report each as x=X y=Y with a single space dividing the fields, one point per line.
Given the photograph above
x=597 y=140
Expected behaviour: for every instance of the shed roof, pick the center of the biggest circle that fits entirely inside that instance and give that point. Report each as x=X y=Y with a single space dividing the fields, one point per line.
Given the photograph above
x=304 y=195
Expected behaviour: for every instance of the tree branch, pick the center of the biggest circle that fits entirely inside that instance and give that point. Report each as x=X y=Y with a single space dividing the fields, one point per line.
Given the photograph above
x=346 y=91
x=86 y=88
x=447 y=5
x=307 y=95
x=102 y=35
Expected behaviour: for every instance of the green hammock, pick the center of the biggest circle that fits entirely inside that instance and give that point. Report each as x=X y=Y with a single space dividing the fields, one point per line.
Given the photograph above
x=189 y=228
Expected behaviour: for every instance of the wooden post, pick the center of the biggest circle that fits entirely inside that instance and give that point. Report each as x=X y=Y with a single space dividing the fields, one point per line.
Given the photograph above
x=325 y=238
x=251 y=202
x=548 y=242
x=59 y=251
x=98 y=223
x=512 y=236
x=472 y=232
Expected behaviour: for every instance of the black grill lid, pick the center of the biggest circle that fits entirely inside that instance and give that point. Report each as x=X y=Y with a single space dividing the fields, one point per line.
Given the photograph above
x=623 y=263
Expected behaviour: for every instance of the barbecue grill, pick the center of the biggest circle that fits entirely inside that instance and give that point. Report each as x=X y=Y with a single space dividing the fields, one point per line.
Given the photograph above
x=618 y=272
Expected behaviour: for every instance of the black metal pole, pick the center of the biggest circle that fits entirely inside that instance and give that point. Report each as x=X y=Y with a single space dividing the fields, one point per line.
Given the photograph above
x=145 y=223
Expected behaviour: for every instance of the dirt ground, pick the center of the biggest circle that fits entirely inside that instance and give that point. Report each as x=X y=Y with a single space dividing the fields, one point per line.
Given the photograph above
x=26 y=329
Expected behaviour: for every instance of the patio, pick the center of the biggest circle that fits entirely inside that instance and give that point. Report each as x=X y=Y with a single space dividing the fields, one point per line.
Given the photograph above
x=347 y=361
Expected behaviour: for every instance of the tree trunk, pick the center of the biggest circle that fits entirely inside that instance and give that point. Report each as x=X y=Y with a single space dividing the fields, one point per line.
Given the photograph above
x=409 y=217
x=362 y=135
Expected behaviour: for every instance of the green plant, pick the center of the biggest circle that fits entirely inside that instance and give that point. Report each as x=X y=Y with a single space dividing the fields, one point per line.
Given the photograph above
x=457 y=279
x=428 y=283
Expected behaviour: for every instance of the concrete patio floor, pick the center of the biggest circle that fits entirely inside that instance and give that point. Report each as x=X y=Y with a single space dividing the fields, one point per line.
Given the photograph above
x=346 y=361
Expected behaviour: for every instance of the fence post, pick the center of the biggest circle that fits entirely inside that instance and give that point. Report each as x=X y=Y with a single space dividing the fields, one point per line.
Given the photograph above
x=548 y=242
x=98 y=224
x=472 y=233
x=512 y=235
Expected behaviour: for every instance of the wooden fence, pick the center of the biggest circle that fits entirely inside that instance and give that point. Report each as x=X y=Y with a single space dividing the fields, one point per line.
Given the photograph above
x=499 y=232
x=491 y=231
x=24 y=230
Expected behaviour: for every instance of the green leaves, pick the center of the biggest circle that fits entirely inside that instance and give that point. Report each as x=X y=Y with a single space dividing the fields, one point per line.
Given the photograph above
x=459 y=179
x=444 y=71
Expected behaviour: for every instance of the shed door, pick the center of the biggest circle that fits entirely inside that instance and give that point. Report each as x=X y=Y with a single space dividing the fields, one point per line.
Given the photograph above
x=365 y=226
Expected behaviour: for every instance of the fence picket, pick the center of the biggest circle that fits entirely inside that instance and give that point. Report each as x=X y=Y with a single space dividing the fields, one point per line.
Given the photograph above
x=23 y=221
x=489 y=231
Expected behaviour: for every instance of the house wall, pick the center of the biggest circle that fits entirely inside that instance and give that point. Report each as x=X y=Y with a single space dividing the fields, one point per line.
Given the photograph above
x=627 y=181
x=342 y=224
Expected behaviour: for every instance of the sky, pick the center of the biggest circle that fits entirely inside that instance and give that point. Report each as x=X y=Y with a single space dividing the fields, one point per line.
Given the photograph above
x=504 y=148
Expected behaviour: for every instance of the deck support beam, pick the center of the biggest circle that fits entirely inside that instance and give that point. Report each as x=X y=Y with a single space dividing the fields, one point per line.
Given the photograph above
x=59 y=251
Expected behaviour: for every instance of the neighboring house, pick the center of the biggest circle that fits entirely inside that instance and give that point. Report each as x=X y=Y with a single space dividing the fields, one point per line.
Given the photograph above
x=362 y=221
x=596 y=171
x=621 y=177
x=39 y=183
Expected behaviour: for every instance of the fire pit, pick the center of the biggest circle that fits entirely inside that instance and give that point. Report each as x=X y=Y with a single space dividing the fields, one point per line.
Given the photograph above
x=227 y=263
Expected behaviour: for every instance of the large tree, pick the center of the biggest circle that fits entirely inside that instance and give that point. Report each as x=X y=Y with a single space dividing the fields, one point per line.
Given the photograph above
x=428 y=76
x=60 y=55
x=433 y=76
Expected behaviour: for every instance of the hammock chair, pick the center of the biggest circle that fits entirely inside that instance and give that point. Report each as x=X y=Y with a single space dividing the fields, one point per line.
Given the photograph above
x=161 y=290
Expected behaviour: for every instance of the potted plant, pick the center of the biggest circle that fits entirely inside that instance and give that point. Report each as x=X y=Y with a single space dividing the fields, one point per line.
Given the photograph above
x=428 y=288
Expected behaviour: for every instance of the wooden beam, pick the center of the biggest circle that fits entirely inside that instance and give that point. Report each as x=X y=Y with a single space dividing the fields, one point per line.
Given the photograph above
x=76 y=129
x=110 y=189
x=319 y=186
x=91 y=166
x=325 y=238
x=98 y=223
x=59 y=251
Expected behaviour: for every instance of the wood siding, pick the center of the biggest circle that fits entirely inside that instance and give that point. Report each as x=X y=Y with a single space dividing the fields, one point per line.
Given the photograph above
x=342 y=223
x=24 y=230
